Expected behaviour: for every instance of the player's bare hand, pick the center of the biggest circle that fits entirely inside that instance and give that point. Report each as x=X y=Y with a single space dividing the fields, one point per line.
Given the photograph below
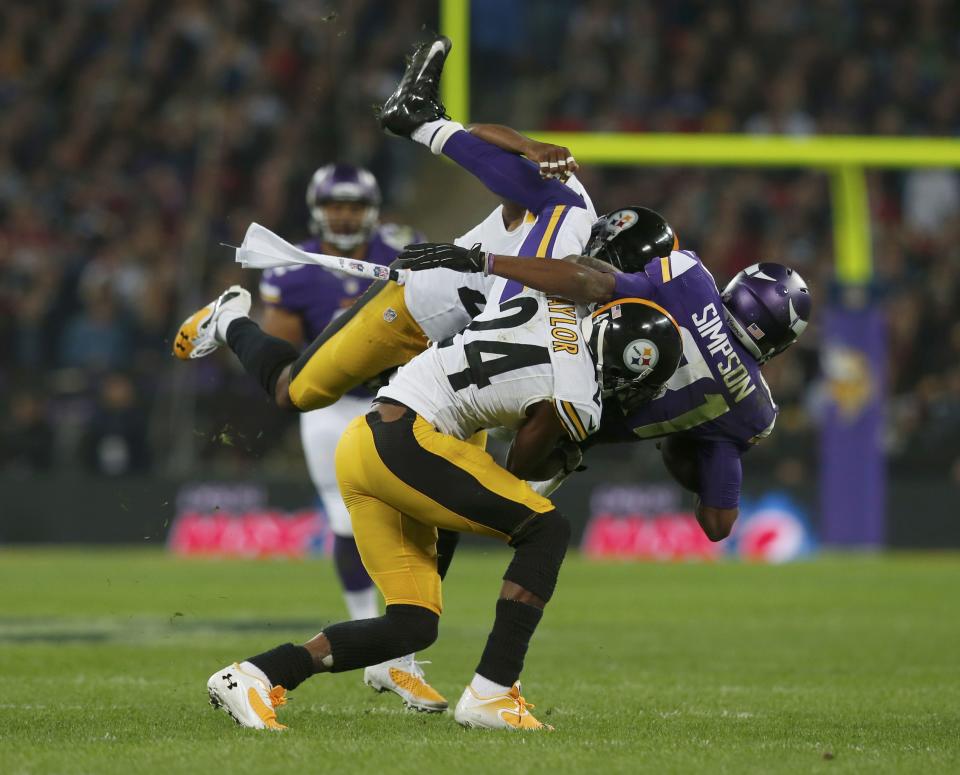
x=555 y=161
x=443 y=255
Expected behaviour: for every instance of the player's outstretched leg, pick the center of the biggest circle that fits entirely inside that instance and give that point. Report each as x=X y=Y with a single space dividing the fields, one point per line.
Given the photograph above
x=415 y=110
x=225 y=321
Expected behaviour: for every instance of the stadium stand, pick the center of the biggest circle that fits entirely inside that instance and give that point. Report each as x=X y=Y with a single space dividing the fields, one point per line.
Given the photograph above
x=126 y=158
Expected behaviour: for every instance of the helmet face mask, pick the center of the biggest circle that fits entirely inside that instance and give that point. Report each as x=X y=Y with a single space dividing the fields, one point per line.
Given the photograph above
x=767 y=306
x=637 y=347
x=630 y=237
x=343 y=183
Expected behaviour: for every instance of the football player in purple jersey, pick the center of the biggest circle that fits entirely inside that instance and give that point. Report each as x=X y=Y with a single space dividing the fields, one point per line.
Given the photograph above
x=344 y=203
x=717 y=404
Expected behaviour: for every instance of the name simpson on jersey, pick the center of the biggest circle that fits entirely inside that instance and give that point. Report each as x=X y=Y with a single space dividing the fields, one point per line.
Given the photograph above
x=563 y=326
x=735 y=375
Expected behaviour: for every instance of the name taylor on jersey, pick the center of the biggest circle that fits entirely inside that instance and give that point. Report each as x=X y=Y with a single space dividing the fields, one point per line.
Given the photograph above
x=563 y=326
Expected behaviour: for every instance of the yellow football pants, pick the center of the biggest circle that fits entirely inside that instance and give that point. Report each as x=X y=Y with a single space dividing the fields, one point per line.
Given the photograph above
x=402 y=480
x=376 y=334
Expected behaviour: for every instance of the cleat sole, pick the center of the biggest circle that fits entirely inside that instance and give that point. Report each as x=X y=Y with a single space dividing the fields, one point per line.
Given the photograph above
x=219 y=705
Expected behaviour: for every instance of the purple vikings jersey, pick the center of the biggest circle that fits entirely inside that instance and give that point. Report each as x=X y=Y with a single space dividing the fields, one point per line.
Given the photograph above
x=717 y=395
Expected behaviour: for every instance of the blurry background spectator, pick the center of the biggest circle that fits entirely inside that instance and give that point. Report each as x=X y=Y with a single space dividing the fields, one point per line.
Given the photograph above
x=115 y=443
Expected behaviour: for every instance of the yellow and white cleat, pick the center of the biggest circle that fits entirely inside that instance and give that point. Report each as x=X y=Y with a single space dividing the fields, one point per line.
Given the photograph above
x=503 y=711
x=246 y=698
x=404 y=677
x=198 y=333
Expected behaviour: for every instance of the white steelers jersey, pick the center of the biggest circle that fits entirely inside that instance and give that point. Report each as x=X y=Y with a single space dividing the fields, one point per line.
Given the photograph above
x=514 y=354
x=443 y=301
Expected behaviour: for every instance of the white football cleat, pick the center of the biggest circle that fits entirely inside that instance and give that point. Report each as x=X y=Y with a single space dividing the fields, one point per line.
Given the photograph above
x=404 y=677
x=246 y=698
x=502 y=711
x=198 y=333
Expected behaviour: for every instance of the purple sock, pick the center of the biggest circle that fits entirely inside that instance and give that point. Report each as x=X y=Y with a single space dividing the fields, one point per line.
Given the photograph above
x=353 y=576
x=507 y=175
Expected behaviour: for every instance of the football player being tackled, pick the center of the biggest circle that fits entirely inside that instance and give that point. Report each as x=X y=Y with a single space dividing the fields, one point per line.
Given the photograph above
x=530 y=364
x=717 y=405
x=388 y=324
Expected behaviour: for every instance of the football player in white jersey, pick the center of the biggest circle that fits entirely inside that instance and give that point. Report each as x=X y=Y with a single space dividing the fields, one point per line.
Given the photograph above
x=390 y=324
x=405 y=469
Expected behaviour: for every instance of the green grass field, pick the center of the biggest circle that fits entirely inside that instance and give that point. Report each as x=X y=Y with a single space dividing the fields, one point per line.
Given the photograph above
x=846 y=664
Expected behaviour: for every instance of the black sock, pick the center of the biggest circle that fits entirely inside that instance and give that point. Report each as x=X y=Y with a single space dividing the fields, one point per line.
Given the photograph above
x=447 y=541
x=402 y=630
x=263 y=356
x=287 y=665
x=502 y=660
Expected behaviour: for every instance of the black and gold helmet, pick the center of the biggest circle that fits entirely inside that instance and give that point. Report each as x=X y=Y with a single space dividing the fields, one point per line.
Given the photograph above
x=631 y=237
x=637 y=346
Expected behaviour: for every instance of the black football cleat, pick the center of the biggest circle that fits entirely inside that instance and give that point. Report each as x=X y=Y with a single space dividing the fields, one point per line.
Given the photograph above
x=417 y=99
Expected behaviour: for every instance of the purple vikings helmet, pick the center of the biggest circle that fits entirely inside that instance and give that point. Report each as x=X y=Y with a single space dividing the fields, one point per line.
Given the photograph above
x=768 y=306
x=343 y=183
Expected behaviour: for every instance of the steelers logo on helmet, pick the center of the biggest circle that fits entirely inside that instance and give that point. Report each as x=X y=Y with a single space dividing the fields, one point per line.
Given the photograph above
x=640 y=355
x=637 y=346
x=621 y=220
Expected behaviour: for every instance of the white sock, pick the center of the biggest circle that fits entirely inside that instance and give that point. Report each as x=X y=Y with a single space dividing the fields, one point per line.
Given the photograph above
x=364 y=604
x=224 y=319
x=434 y=134
x=251 y=669
x=484 y=687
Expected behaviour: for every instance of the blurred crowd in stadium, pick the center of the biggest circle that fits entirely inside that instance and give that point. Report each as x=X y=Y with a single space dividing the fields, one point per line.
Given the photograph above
x=136 y=135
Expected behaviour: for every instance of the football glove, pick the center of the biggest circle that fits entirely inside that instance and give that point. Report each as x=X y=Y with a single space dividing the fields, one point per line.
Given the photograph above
x=572 y=456
x=446 y=255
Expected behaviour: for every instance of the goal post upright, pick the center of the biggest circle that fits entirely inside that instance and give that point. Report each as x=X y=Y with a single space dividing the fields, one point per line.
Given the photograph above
x=455 y=84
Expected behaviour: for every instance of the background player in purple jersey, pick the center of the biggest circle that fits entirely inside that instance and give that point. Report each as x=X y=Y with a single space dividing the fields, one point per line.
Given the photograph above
x=717 y=404
x=301 y=301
